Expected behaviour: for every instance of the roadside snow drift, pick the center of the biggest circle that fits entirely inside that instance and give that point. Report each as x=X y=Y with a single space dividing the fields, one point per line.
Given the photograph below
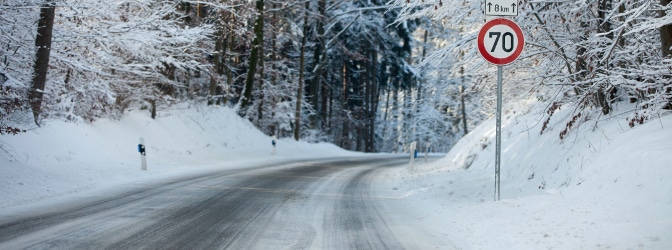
x=63 y=158
x=604 y=186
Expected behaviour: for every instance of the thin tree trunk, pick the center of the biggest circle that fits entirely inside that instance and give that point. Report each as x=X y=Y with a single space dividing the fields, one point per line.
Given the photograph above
x=324 y=113
x=45 y=27
x=331 y=108
x=666 y=43
x=217 y=63
x=229 y=72
x=366 y=101
x=260 y=108
x=605 y=27
x=254 y=57
x=273 y=126
x=345 y=133
x=318 y=60
x=374 y=102
x=665 y=33
x=153 y=108
x=408 y=110
x=464 y=110
x=464 y=107
x=398 y=118
x=387 y=111
x=299 y=94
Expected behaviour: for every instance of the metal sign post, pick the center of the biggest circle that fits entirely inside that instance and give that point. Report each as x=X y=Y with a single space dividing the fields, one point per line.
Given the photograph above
x=500 y=42
x=498 y=130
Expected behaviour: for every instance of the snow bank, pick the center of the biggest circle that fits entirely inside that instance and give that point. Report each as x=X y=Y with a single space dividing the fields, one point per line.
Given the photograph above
x=66 y=158
x=605 y=185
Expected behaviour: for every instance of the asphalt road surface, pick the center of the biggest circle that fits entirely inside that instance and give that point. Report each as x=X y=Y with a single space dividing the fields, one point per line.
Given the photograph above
x=305 y=205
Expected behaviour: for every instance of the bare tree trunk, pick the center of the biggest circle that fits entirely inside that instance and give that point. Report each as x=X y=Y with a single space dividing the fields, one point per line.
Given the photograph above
x=464 y=108
x=302 y=60
x=331 y=109
x=260 y=108
x=373 y=103
x=387 y=111
x=666 y=43
x=345 y=133
x=324 y=110
x=45 y=27
x=665 y=33
x=315 y=83
x=153 y=108
x=254 y=57
x=229 y=73
x=605 y=27
x=217 y=63
x=398 y=117
x=274 y=76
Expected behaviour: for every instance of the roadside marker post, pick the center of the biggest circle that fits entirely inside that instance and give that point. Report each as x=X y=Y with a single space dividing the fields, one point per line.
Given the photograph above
x=142 y=151
x=500 y=42
x=413 y=153
x=274 y=144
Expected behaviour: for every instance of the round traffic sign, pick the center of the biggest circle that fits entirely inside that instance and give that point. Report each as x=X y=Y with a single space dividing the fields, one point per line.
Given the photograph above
x=500 y=41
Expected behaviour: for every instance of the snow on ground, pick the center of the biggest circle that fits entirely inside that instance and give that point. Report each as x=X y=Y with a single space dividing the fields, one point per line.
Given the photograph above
x=62 y=159
x=605 y=186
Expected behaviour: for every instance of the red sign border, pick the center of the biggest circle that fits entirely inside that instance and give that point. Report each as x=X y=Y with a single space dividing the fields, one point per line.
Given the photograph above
x=481 y=41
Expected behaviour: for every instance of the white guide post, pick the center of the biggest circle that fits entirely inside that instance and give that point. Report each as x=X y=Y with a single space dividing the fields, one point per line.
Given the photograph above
x=143 y=159
x=412 y=151
x=274 y=144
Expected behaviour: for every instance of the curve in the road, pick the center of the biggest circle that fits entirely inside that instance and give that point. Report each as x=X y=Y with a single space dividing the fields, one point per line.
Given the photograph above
x=298 y=206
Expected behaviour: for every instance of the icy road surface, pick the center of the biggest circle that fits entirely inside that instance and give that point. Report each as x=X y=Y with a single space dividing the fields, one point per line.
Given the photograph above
x=306 y=205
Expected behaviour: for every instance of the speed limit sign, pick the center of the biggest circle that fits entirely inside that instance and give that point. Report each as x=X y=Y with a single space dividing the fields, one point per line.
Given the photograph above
x=500 y=41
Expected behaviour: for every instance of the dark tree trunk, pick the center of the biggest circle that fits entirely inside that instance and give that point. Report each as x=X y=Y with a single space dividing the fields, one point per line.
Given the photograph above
x=229 y=73
x=373 y=103
x=464 y=109
x=386 y=113
x=45 y=27
x=299 y=94
x=665 y=33
x=315 y=83
x=605 y=27
x=345 y=133
x=260 y=108
x=666 y=43
x=217 y=61
x=153 y=108
x=254 y=57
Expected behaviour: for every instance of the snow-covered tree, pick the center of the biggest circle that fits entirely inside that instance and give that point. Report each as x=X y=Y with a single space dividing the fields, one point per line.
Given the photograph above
x=589 y=54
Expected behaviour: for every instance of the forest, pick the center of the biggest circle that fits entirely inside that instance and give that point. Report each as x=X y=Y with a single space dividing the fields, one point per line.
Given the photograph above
x=370 y=76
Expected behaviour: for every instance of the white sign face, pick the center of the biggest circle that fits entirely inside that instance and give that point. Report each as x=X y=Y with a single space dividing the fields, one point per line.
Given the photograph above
x=501 y=7
x=500 y=41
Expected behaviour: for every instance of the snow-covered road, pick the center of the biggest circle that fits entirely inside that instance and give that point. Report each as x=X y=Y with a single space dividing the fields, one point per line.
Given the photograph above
x=304 y=205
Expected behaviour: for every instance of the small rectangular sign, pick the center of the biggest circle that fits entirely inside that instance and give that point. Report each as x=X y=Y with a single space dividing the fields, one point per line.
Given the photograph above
x=501 y=7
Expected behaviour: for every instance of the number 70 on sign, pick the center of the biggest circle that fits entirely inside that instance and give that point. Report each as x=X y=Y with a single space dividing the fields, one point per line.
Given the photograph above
x=500 y=41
